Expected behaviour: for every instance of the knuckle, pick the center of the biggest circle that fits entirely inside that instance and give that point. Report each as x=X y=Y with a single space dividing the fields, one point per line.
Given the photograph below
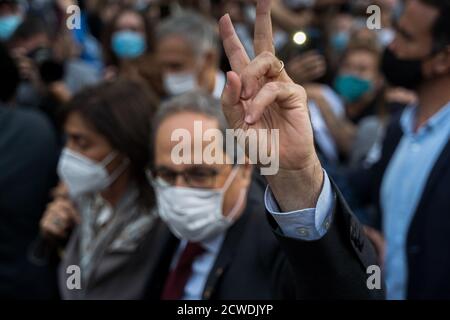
x=266 y=55
x=272 y=86
x=299 y=89
x=246 y=74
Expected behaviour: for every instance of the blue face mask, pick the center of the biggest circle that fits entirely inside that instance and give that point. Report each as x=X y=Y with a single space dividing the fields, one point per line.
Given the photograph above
x=339 y=41
x=8 y=25
x=128 y=44
x=352 y=88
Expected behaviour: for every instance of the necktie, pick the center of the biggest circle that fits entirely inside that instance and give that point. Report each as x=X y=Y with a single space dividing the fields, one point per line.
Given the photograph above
x=178 y=277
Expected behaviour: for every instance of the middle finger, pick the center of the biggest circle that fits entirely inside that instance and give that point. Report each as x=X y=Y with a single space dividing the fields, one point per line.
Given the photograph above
x=263 y=38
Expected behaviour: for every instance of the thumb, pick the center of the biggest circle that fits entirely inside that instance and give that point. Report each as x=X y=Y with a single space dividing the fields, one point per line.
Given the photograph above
x=232 y=92
x=231 y=107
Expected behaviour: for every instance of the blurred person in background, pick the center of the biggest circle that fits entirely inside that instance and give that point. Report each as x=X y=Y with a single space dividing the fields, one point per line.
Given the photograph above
x=187 y=51
x=359 y=83
x=84 y=38
x=243 y=13
x=307 y=65
x=50 y=71
x=389 y=10
x=411 y=179
x=339 y=31
x=104 y=208
x=28 y=158
x=127 y=42
x=308 y=61
x=292 y=15
x=358 y=131
x=11 y=16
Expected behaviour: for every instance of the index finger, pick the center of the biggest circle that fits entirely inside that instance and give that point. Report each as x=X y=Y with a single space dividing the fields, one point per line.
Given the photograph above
x=236 y=54
x=263 y=38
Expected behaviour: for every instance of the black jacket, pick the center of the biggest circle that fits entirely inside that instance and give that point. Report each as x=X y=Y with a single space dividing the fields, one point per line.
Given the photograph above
x=429 y=231
x=257 y=262
x=28 y=158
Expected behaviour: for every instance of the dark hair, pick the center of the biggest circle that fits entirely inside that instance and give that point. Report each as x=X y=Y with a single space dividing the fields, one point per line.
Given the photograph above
x=441 y=27
x=30 y=27
x=110 y=57
x=121 y=111
x=9 y=75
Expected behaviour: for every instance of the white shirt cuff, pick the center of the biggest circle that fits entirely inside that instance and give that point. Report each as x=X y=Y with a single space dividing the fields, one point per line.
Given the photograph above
x=307 y=224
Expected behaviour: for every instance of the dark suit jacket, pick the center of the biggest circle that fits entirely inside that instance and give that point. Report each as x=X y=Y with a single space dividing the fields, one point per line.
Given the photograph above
x=429 y=232
x=28 y=158
x=257 y=263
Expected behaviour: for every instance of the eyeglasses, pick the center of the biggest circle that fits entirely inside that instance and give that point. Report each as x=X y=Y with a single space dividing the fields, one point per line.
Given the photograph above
x=194 y=177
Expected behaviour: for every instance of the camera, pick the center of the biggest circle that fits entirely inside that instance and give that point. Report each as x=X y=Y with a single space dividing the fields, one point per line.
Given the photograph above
x=50 y=70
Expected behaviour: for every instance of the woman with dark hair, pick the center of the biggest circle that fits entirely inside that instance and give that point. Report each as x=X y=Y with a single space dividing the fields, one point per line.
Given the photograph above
x=127 y=38
x=127 y=49
x=105 y=207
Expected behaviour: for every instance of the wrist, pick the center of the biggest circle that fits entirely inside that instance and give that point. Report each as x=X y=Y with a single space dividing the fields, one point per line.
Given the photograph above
x=297 y=189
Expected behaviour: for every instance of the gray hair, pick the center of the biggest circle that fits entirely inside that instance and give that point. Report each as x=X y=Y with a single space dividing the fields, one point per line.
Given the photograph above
x=198 y=31
x=202 y=103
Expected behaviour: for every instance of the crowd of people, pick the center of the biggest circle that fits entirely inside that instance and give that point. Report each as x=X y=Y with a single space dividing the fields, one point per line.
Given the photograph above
x=87 y=170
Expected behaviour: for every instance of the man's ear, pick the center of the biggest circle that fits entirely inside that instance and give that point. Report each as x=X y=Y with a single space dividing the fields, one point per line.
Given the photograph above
x=441 y=63
x=211 y=58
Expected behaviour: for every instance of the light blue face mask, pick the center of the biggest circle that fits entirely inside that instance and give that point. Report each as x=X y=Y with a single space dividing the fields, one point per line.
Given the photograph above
x=128 y=44
x=8 y=25
x=339 y=41
x=352 y=88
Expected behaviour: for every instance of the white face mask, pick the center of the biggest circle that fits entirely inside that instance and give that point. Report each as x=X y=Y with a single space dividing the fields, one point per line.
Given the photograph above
x=179 y=83
x=195 y=214
x=83 y=175
x=386 y=36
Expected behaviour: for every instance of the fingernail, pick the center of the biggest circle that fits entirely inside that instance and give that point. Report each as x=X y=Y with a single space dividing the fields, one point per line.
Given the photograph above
x=249 y=119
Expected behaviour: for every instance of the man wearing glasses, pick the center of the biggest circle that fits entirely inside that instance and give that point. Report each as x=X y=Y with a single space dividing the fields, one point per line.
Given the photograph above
x=223 y=246
x=216 y=242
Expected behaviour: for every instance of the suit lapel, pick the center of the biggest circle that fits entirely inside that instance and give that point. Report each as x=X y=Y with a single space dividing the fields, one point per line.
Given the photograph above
x=435 y=176
x=164 y=249
x=226 y=255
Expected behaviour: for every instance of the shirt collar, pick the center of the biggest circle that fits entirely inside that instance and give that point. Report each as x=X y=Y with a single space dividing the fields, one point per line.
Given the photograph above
x=408 y=119
x=214 y=244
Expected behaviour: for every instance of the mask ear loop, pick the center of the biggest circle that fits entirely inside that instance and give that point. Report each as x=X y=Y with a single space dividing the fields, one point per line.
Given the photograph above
x=230 y=179
x=109 y=158
x=119 y=170
x=233 y=212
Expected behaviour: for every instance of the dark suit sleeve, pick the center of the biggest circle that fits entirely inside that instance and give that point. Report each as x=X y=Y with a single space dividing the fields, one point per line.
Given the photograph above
x=333 y=267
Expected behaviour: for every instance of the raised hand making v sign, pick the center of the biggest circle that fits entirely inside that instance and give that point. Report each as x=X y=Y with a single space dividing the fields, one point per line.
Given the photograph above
x=324 y=241
x=259 y=94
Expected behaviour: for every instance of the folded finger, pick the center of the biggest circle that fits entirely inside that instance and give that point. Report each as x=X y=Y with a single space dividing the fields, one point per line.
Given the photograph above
x=232 y=108
x=266 y=65
x=270 y=93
